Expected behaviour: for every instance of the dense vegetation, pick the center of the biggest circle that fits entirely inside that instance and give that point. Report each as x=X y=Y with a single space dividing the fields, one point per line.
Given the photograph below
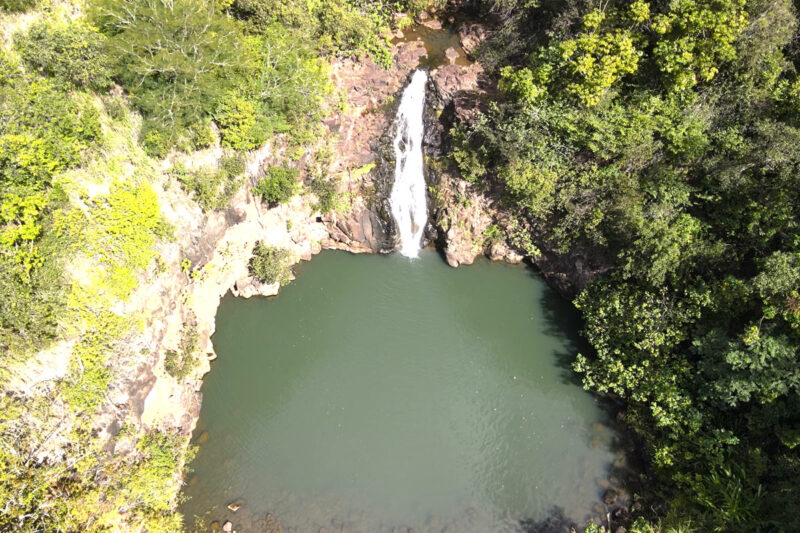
x=660 y=139
x=663 y=138
x=92 y=92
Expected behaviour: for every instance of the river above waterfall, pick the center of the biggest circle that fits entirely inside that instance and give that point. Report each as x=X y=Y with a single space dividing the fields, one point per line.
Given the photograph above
x=378 y=392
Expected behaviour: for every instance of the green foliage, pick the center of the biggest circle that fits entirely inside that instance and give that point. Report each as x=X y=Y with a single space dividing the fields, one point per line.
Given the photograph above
x=335 y=26
x=233 y=164
x=278 y=186
x=89 y=374
x=239 y=125
x=176 y=58
x=695 y=37
x=179 y=364
x=329 y=199
x=120 y=231
x=13 y=6
x=72 y=53
x=44 y=130
x=661 y=139
x=153 y=475
x=270 y=265
x=68 y=495
x=211 y=188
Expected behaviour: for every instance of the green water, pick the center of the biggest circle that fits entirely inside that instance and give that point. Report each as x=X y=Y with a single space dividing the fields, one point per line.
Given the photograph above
x=377 y=392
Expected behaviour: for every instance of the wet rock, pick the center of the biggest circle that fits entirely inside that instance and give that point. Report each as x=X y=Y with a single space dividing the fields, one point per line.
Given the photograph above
x=471 y=36
x=451 y=54
x=603 y=483
x=214 y=526
x=227 y=526
x=621 y=514
x=235 y=505
x=610 y=497
x=500 y=251
x=463 y=216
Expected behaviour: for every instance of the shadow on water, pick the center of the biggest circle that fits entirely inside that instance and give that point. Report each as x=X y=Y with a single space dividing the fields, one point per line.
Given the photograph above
x=554 y=522
x=563 y=321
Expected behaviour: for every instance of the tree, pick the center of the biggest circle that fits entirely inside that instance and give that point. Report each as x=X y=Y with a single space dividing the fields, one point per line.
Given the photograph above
x=278 y=186
x=177 y=58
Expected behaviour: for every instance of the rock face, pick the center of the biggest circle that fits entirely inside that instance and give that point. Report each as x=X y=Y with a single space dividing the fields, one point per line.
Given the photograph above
x=365 y=165
x=470 y=219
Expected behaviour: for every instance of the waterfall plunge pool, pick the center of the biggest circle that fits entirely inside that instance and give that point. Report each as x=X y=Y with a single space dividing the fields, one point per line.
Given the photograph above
x=377 y=392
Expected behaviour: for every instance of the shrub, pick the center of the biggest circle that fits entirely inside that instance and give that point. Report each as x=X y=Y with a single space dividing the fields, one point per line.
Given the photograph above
x=211 y=188
x=15 y=6
x=238 y=125
x=44 y=130
x=233 y=164
x=329 y=197
x=73 y=52
x=270 y=265
x=157 y=142
x=201 y=134
x=180 y=363
x=279 y=185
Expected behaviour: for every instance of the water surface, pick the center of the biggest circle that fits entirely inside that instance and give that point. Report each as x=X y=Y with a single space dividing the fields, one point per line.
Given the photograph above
x=379 y=392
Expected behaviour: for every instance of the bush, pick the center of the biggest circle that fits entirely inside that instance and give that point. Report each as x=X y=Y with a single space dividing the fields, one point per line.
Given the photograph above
x=74 y=53
x=233 y=164
x=238 y=125
x=329 y=197
x=270 y=265
x=44 y=130
x=279 y=185
x=212 y=188
x=180 y=363
x=201 y=134
x=15 y=6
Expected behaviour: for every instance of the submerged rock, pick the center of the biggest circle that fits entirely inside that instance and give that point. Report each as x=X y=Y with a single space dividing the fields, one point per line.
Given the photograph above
x=235 y=506
x=272 y=525
x=610 y=497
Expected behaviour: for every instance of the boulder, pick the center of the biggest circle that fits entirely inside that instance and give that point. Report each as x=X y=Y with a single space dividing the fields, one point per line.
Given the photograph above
x=610 y=497
x=471 y=36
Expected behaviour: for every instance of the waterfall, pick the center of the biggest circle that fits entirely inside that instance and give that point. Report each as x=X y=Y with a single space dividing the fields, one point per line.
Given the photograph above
x=408 y=198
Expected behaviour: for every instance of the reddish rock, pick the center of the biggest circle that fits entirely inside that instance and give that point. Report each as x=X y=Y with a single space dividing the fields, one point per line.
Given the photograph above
x=472 y=35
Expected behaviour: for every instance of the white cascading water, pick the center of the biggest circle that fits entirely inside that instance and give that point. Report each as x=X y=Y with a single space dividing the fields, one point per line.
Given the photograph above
x=408 y=199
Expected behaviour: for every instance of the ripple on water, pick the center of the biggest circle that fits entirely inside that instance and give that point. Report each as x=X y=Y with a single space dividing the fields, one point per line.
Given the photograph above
x=382 y=393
